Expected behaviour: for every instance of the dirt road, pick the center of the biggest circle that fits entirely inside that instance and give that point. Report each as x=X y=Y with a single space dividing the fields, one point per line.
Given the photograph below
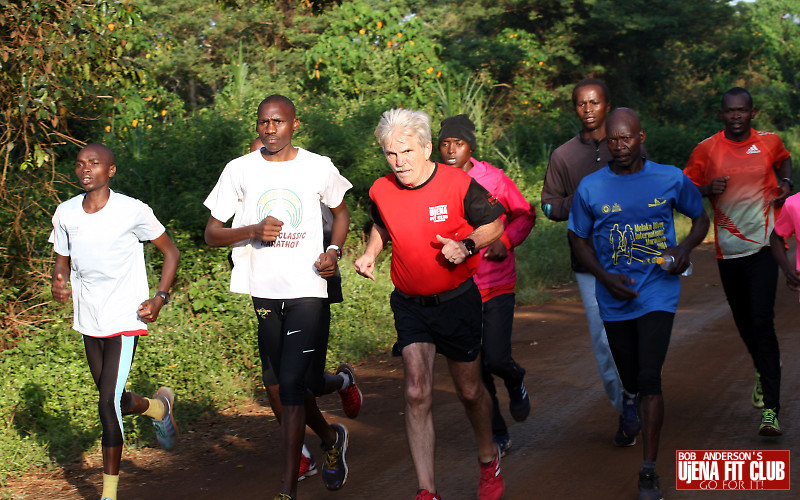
x=563 y=450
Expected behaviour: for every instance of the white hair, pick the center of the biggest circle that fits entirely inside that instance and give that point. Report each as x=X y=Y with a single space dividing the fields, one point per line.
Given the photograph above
x=404 y=121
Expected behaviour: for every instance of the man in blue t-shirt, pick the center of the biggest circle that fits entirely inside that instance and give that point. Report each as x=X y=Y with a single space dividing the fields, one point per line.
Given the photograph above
x=620 y=222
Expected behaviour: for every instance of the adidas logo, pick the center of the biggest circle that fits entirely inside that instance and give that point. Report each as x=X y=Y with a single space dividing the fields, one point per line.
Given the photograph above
x=753 y=150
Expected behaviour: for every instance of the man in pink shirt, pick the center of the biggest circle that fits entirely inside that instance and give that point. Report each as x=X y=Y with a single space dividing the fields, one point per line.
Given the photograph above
x=496 y=274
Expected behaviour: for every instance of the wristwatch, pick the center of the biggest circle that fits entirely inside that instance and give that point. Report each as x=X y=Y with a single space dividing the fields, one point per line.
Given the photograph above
x=164 y=296
x=789 y=182
x=469 y=245
x=338 y=251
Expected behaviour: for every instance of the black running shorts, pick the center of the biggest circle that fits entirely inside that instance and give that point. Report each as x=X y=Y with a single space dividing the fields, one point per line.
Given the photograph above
x=453 y=326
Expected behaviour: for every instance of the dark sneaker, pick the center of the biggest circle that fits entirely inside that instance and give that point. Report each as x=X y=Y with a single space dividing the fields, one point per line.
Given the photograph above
x=166 y=429
x=334 y=470
x=648 y=486
x=631 y=424
x=491 y=486
x=769 y=423
x=620 y=438
x=351 y=397
x=758 y=393
x=503 y=443
x=427 y=495
x=308 y=467
x=519 y=402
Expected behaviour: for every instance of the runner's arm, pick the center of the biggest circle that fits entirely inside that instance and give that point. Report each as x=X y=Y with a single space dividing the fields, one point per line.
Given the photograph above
x=328 y=260
x=365 y=265
x=149 y=309
x=556 y=201
x=60 y=275
x=778 y=247
x=784 y=171
x=217 y=235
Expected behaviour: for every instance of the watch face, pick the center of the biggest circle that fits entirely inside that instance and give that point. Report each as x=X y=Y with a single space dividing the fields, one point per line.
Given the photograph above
x=469 y=245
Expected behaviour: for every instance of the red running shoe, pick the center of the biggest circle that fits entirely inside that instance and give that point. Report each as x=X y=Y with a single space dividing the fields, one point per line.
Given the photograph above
x=308 y=467
x=427 y=495
x=351 y=397
x=491 y=486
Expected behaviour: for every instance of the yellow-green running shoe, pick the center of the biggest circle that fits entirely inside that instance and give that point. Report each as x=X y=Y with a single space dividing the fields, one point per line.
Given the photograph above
x=769 y=423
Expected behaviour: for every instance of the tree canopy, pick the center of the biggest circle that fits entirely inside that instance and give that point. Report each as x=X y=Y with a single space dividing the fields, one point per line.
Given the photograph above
x=66 y=63
x=60 y=61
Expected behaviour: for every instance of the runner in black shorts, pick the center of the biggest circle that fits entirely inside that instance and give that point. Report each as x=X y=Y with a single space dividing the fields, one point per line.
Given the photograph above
x=436 y=217
x=273 y=195
x=637 y=298
x=343 y=381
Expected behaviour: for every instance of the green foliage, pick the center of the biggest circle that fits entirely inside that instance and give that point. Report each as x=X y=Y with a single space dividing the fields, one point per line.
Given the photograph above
x=640 y=51
x=535 y=68
x=197 y=45
x=671 y=144
x=369 y=54
x=471 y=98
x=59 y=60
x=791 y=139
x=344 y=131
x=770 y=39
x=174 y=164
x=542 y=261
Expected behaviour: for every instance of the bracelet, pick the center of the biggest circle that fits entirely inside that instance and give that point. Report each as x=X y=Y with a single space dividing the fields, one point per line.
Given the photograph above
x=789 y=182
x=338 y=251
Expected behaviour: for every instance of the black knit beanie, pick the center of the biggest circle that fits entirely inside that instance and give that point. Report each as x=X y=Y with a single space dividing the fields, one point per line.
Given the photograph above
x=458 y=127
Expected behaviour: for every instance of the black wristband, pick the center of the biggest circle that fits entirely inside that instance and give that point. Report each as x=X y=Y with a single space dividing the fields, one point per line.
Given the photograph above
x=164 y=296
x=789 y=182
x=469 y=245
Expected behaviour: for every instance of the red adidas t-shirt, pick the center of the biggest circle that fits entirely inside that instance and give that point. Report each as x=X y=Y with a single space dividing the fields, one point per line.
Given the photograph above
x=743 y=213
x=450 y=204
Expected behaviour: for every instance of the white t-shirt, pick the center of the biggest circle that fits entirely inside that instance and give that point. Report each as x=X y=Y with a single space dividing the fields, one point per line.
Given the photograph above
x=251 y=188
x=107 y=269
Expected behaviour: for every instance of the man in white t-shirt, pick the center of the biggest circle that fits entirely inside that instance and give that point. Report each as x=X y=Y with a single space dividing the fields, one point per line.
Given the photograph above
x=273 y=195
x=98 y=241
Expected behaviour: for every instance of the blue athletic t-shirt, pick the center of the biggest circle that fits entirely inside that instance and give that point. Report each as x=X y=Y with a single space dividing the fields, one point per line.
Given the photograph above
x=630 y=221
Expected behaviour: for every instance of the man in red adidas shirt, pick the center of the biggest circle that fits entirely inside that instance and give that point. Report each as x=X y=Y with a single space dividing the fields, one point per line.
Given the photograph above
x=747 y=174
x=437 y=218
